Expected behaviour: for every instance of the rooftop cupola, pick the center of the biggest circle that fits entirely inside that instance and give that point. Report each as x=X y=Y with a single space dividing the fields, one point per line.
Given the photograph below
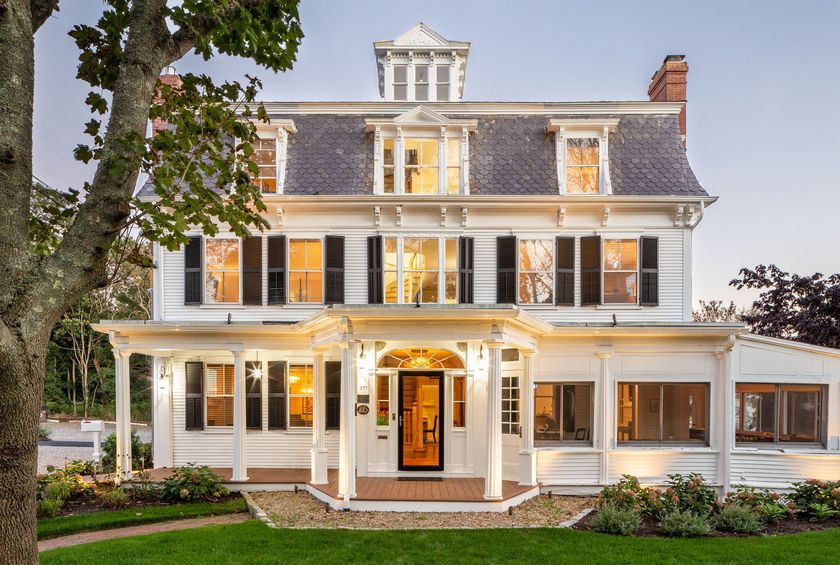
x=421 y=66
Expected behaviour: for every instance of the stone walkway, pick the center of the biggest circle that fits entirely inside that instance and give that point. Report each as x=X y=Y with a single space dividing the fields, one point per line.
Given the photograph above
x=145 y=529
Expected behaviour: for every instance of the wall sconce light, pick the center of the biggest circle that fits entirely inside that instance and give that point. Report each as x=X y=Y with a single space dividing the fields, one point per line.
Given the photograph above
x=362 y=351
x=481 y=352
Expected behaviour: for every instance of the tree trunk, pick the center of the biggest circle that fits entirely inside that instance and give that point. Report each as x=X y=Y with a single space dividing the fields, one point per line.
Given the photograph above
x=22 y=369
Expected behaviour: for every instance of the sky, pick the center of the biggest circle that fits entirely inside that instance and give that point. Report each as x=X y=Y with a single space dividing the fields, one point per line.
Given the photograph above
x=763 y=89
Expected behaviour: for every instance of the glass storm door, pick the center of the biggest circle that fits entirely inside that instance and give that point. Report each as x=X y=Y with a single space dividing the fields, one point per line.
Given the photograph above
x=421 y=421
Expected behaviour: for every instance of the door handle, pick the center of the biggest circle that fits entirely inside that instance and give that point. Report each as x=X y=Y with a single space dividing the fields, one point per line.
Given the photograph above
x=401 y=420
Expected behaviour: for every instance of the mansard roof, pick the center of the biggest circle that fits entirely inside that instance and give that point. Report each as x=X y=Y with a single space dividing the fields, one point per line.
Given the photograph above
x=510 y=154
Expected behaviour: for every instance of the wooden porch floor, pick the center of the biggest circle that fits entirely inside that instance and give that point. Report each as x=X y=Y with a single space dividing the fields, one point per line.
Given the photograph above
x=260 y=475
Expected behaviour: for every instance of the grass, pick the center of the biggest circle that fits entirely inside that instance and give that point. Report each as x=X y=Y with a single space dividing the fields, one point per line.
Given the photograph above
x=66 y=525
x=252 y=542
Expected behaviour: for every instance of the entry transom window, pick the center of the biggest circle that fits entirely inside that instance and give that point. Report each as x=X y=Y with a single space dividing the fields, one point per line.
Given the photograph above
x=420 y=268
x=421 y=166
x=621 y=274
x=563 y=413
x=221 y=267
x=582 y=165
x=265 y=156
x=421 y=358
x=779 y=413
x=219 y=395
x=306 y=278
x=536 y=271
x=663 y=413
x=300 y=396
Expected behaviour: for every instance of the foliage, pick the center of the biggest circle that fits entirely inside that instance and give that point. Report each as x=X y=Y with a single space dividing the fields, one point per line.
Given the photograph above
x=738 y=518
x=59 y=490
x=43 y=433
x=820 y=512
x=141 y=453
x=67 y=482
x=192 y=482
x=688 y=493
x=684 y=524
x=770 y=506
x=619 y=521
x=790 y=306
x=49 y=507
x=717 y=311
x=814 y=491
x=629 y=494
x=772 y=513
x=116 y=498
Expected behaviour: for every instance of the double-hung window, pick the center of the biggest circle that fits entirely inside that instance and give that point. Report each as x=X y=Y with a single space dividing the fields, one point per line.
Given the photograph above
x=663 y=413
x=443 y=79
x=621 y=271
x=221 y=268
x=265 y=157
x=421 y=83
x=300 y=396
x=421 y=270
x=453 y=166
x=219 y=394
x=400 y=82
x=779 y=413
x=536 y=271
x=582 y=165
x=563 y=413
x=306 y=276
x=388 y=165
x=421 y=166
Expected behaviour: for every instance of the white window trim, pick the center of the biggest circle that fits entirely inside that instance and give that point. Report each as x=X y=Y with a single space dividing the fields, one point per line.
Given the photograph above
x=400 y=135
x=289 y=240
x=204 y=271
x=625 y=305
x=569 y=443
x=551 y=240
x=583 y=128
x=278 y=130
x=665 y=445
x=441 y=267
x=776 y=445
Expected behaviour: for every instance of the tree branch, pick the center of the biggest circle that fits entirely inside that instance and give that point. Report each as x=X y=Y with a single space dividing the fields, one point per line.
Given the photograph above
x=183 y=40
x=41 y=11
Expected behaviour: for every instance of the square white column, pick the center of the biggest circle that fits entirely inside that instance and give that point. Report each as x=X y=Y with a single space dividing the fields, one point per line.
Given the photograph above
x=319 y=422
x=527 y=454
x=347 y=423
x=493 y=473
x=606 y=419
x=240 y=466
x=123 y=409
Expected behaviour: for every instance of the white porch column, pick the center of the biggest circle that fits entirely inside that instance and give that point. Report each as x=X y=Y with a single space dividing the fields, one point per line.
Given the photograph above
x=123 y=406
x=162 y=411
x=727 y=401
x=606 y=414
x=319 y=422
x=527 y=454
x=240 y=466
x=347 y=423
x=493 y=476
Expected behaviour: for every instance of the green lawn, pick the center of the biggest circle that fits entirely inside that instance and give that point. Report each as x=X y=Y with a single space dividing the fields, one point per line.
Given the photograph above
x=253 y=542
x=66 y=525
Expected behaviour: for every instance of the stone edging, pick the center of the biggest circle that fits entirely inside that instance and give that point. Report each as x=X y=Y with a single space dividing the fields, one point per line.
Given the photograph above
x=576 y=518
x=256 y=511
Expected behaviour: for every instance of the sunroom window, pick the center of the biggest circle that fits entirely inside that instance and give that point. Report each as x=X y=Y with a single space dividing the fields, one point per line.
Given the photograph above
x=621 y=266
x=563 y=413
x=582 y=165
x=536 y=271
x=420 y=269
x=221 y=267
x=663 y=413
x=779 y=413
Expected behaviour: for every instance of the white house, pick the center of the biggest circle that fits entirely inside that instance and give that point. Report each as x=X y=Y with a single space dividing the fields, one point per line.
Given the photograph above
x=495 y=294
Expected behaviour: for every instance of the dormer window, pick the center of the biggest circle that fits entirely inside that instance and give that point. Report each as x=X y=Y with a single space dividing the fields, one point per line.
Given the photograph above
x=270 y=155
x=582 y=165
x=582 y=147
x=421 y=166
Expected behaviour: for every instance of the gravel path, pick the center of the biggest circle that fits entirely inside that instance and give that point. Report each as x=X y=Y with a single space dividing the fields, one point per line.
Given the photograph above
x=302 y=510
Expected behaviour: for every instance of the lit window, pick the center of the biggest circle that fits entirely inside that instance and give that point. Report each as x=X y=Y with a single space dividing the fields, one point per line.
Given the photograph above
x=219 y=395
x=388 y=166
x=768 y=413
x=221 y=265
x=421 y=83
x=383 y=402
x=443 y=83
x=421 y=166
x=563 y=413
x=453 y=165
x=620 y=271
x=459 y=402
x=450 y=274
x=536 y=271
x=400 y=82
x=306 y=283
x=510 y=404
x=663 y=413
x=420 y=270
x=265 y=156
x=300 y=396
x=582 y=165
x=412 y=270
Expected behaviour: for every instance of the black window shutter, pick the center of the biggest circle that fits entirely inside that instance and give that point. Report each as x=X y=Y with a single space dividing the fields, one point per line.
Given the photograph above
x=565 y=276
x=374 y=258
x=253 y=396
x=465 y=270
x=192 y=272
x=590 y=270
x=277 y=269
x=332 y=374
x=252 y=271
x=194 y=396
x=276 y=395
x=649 y=247
x=334 y=269
x=506 y=270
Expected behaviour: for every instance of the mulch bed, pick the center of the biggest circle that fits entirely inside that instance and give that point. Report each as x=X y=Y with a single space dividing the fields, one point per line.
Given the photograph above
x=794 y=525
x=96 y=502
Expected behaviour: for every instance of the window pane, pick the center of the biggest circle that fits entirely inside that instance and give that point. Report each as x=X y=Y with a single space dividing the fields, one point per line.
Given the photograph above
x=429 y=152
x=421 y=92
x=799 y=420
x=412 y=181
x=421 y=73
x=573 y=180
x=314 y=256
x=230 y=287
x=684 y=413
x=220 y=411
x=563 y=412
x=620 y=255
x=411 y=286
x=382 y=400
x=430 y=254
x=451 y=246
x=400 y=92
x=300 y=412
x=442 y=73
x=388 y=152
x=388 y=180
x=535 y=255
x=429 y=181
x=755 y=412
x=582 y=151
x=638 y=412
x=536 y=288
x=391 y=287
x=443 y=92
x=430 y=287
x=297 y=254
x=412 y=151
x=390 y=253
x=400 y=73
x=459 y=402
x=453 y=152
x=213 y=287
x=620 y=288
x=300 y=379
x=411 y=253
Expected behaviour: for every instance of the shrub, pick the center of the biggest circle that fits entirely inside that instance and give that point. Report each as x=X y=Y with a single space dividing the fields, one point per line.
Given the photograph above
x=630 y=495
x=49 y=507
x=619 y=521
x=811 y=492
x=43 y=433
x=116 y=498
x=70 y=484
x=685 y=524
x=81 y=467
x=59 y=490
x=192 y=482
x=770 y=506
x=821 y=512
x=737 y=518
x=688 y=492
x=772 y=513
x=141 y=453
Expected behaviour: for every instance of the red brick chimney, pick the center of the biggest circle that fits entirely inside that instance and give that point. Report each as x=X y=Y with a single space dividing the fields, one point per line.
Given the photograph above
x=668 y=84
x=171 y=78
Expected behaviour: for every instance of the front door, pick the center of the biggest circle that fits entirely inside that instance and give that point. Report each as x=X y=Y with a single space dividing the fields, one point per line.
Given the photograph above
x=421 y=421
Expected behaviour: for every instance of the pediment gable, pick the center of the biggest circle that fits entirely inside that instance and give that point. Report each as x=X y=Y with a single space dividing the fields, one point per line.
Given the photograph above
x=421 y=115
x=423 y=36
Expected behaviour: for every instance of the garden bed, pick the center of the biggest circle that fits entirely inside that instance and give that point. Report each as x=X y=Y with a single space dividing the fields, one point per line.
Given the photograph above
x=96 y=501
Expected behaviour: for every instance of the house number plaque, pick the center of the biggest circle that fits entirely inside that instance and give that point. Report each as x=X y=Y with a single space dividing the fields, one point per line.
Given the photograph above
x=363 y=409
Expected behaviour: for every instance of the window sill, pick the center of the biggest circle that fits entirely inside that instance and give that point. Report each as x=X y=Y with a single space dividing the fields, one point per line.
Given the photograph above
x=567 y=448
x=618 y=307
x=665 y=448
x=782 y=450
x=235 y=306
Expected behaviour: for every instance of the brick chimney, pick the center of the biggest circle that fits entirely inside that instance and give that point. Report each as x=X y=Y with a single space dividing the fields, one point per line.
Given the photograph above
x=171 y=78
x=668 y=84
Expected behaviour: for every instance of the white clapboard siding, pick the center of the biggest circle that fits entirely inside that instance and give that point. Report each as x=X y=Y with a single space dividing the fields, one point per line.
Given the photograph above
x=780 y=470
x=654 y=465
x=568 y=468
